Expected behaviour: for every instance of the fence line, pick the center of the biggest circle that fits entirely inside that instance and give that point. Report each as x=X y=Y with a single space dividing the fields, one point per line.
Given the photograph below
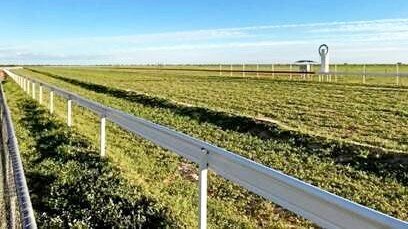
x=322 y=76
x=273 y=71
x=15 y=173
x=321 y=207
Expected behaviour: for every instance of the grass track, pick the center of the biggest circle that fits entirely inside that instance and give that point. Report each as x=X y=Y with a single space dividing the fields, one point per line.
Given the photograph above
x=366 y=114
x=383 y=192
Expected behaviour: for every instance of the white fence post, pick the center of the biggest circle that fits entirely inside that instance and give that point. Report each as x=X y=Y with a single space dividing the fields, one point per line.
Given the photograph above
x=203 y=183
x=273 y=71
x=33 y=90
x=40 y=94
x=231 y=70
x=364 y=73
x=243 y=70
x=290 y=69
x=28 y=87
x=335 y=73
x=397 y=74
x=257 y=70
x=330 y=77
x=220 y=70
x=69 y=112
x=51 y=102
x=102 y=136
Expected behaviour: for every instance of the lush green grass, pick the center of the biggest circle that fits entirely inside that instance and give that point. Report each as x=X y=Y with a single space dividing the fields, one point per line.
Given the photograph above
x=351 y=78
x=364 y=114
x=357 y=173
x=70 y=185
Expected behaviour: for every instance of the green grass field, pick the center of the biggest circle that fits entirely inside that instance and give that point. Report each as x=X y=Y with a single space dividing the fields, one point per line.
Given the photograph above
x=346 y=112
x=355 y=78
x=312 y=140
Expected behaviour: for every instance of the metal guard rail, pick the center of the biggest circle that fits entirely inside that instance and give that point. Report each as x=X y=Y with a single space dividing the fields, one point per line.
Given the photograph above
x=323 y=208
x=11 y=150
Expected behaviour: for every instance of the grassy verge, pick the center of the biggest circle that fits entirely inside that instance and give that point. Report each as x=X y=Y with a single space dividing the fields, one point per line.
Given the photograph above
x=384 y=192
x=70 y=185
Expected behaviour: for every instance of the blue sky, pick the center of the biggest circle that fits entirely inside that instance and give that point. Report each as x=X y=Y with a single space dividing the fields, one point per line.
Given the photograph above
x=115 y=31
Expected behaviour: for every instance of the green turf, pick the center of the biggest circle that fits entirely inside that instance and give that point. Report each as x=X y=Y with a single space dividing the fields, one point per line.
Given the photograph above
x=354 y=173
x=360 y=113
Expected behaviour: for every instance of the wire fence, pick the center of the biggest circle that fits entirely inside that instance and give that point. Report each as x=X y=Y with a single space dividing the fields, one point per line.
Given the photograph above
x=18 y=207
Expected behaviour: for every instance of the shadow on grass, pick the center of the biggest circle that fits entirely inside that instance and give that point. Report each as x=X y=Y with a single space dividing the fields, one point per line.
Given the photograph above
x=71 y=186
x=372 y=160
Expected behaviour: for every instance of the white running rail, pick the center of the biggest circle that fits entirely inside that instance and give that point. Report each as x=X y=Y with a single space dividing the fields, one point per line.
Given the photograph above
x=323 y=208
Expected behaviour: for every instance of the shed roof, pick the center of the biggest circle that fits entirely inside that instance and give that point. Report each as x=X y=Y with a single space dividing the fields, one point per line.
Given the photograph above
x=304 y=62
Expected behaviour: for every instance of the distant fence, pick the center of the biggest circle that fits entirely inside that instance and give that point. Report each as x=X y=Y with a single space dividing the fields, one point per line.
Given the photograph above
x=321 y=207
x=15 y=188
x=228 y=69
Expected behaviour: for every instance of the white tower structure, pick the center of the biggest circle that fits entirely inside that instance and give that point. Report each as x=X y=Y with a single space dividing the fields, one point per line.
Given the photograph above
x=324 y=55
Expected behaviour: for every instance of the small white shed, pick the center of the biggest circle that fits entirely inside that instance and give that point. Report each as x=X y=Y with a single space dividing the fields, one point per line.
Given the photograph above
x=305 y=65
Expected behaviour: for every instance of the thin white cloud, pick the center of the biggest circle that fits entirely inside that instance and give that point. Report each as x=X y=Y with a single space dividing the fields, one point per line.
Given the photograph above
x=366 y=26
x=339 y=24
x=284 y=42
x=384 y=25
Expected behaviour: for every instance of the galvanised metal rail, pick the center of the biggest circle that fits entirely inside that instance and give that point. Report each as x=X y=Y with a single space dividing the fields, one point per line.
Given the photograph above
x=15 y=178
x=323 y=208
